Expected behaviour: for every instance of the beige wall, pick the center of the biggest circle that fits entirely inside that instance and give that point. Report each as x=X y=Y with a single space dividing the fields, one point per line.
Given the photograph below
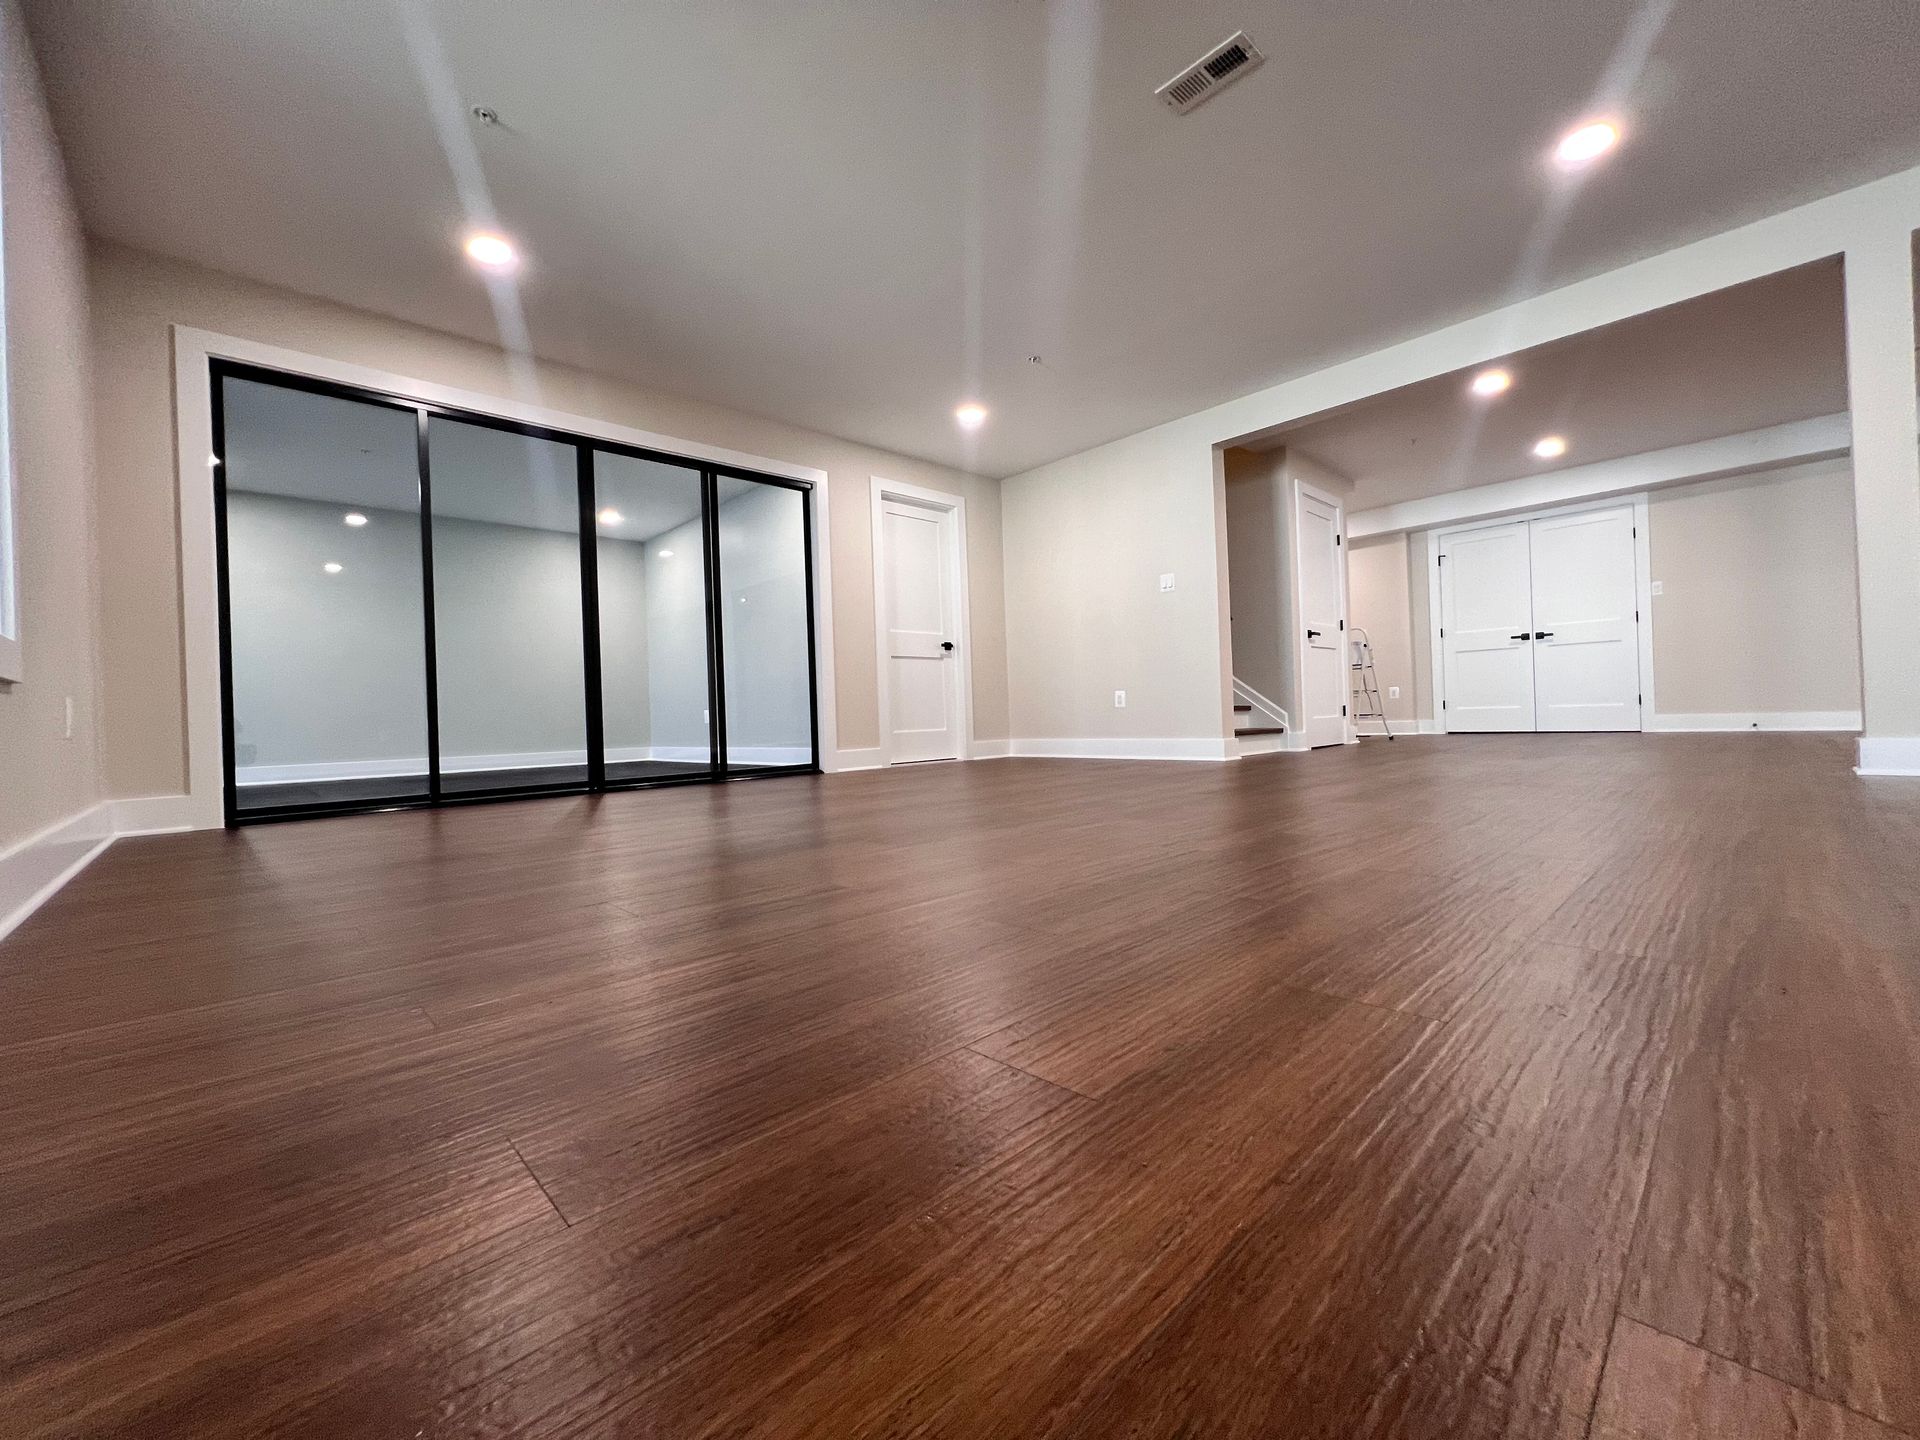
x=1260 y=584
x=1759 y=604
x=1759 y=610
x=1087 y=539
x=45 y=777
x=137 y=297
x=1377 y=586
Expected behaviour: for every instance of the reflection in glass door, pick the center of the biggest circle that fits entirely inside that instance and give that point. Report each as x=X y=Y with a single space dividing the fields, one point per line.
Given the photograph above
x=325 y=628
x=652 y=587
x=420 y=606
x=762 y=540
x=510 y=657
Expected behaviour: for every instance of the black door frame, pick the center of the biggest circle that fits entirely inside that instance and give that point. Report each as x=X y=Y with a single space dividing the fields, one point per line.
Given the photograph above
x=710 y=473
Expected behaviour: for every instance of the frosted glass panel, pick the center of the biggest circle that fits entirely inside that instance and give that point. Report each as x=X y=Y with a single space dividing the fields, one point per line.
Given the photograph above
x=327 y=660
x=653 y=618
x=763 y=618
x=506 y=609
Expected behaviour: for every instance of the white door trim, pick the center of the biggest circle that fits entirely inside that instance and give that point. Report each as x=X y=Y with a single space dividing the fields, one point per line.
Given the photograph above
x=1296 y=735
x=1642 y=580
x=958 y=597
x=193 y=349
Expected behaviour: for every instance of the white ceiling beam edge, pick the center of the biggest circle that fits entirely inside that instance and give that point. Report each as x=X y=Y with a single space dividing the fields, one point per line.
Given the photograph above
x=1771 y=448
x=1815 y=231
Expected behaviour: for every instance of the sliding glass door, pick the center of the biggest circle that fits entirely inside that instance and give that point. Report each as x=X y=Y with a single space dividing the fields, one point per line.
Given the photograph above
x=421 y=605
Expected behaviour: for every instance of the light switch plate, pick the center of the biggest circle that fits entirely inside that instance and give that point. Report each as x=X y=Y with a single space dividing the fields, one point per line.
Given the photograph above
x=1393 y=692
x=1119 y=699
x=1166 y=583
x=1656 y=587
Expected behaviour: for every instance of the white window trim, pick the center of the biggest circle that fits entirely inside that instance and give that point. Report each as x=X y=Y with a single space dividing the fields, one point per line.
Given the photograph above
x=883 y=491
x=194 y=349
x=1643 y=591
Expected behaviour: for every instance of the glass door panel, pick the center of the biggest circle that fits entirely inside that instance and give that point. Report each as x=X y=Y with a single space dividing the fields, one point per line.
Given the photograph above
x=326 y=656
x=510 y=658
x=651 y=563
x=761 y=533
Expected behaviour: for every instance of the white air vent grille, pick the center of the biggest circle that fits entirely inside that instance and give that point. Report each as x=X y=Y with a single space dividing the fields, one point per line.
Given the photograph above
x=1218 y=68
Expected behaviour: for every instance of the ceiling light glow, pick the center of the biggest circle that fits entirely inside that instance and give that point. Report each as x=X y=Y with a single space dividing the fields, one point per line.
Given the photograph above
x=666 y=554
x=1491 y=382
x=1580 y=147
x=970 y=416
x=610 y=516
x=332 y=567
x=492 y=252
x=1550 y=447
x=354 y=518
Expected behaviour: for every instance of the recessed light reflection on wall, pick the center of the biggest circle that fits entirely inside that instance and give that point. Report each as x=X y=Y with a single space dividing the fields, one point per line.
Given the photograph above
x=666 y=554
x=354 y=518
x=1489 y=383
x=332 y=567
x=1550 y=447
x=610 y=516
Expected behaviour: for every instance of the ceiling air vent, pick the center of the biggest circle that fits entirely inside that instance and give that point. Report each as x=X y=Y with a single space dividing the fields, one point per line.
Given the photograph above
x=1219 y=68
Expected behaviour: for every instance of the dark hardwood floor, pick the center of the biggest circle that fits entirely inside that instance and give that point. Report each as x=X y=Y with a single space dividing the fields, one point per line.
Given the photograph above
x=1531 y=1087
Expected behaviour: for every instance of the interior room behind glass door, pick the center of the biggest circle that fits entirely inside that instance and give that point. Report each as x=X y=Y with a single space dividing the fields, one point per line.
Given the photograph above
x=652 y=554
x=326 y=657
x=761 y=533
x=507 y=609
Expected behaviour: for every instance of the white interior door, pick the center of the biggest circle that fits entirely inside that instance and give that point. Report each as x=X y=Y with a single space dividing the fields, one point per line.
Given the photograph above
x=1323 y=651
x=1586 y=645
x=1486 y=623
x=918 y=592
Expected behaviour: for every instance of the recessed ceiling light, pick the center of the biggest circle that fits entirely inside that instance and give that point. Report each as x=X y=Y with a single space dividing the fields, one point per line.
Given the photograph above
x=1580 y=147
x=332 y=567
x=610 y=516
x=492 y=252
x=1550 y=447
x=1491 y=382
x=666 y=554
x=971 y=416
x=354 y=518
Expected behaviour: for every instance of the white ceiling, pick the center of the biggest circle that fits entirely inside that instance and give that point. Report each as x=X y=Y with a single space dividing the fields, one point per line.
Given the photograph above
x=851 y=215
x=1763 y=353
x=361 y=457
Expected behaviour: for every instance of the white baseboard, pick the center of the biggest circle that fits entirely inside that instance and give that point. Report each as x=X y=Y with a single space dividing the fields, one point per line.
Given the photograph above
x=33 y=870
x=1759 y=720
x=992 y=749
x=1123 y=749
x=1889 y=755
x=152 y=815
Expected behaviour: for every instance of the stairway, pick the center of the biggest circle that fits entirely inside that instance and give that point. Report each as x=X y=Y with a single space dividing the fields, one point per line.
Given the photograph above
x=1257 y=728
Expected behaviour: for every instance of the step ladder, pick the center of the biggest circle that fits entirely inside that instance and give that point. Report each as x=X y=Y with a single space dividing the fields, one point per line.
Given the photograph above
x=1365 y=685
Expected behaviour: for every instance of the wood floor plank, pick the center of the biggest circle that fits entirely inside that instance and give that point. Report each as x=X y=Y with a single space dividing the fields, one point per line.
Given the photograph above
x=1660 y=1388
x=1311 y=1096
x=1445 y=1264
x=1781 y=1228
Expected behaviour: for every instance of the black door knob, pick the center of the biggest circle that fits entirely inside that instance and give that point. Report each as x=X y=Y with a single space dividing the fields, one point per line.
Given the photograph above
x=946 y=644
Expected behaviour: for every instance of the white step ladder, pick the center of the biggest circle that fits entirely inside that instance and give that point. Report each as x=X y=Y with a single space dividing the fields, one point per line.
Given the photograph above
x=1365 y=685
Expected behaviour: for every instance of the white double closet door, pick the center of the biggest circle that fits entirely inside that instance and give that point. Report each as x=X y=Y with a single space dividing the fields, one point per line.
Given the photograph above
x=1539 y=625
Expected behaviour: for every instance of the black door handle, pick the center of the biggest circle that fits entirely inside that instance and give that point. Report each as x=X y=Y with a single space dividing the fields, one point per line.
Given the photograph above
x=1527 y=636
x=946 y=644
x=1313 y=634
x=1543 y=634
